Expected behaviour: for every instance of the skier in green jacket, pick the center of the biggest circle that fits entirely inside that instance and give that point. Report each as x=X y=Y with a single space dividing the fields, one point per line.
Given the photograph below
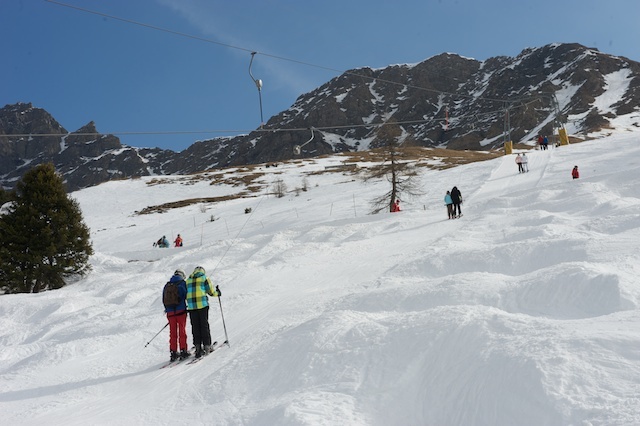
x=198 y=289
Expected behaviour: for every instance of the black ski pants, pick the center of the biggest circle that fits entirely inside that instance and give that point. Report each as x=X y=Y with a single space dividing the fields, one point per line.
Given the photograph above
x=200 y=326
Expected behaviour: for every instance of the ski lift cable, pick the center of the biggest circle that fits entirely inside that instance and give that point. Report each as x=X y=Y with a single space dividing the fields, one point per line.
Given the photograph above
x=142 y=24
x=253 y=52
x=474 y=116
x=264 y=130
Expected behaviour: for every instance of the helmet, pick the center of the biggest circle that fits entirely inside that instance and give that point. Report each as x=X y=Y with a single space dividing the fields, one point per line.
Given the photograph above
x=181 y=273
x=199 y=269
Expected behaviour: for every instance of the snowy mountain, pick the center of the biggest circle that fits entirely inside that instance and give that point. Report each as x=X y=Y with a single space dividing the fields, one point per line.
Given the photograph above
x=461 y=103
x=522 y=312
x=445 y=101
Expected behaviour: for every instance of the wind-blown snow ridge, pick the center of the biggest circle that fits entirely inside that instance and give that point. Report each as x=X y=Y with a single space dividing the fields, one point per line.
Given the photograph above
x=524 y=311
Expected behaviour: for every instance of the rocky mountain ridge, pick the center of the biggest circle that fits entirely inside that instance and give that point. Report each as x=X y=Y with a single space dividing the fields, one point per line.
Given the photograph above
x=445 y=101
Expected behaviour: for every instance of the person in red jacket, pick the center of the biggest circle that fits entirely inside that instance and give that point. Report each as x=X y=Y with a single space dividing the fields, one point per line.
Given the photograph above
x=575 y=173
x=178 y=241
x=395 y=207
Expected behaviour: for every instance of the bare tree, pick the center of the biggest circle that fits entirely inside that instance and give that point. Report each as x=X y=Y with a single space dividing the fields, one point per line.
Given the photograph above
x=396 y=167
x=279 y=188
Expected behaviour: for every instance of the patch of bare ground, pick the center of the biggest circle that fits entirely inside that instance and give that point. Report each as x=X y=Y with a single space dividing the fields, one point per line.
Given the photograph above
x=161 y=208
x=435 y=158
x=249 y=177
x=245 y=177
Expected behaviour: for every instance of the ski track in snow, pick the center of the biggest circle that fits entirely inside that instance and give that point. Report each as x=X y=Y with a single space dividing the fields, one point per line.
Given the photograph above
x=524 y=311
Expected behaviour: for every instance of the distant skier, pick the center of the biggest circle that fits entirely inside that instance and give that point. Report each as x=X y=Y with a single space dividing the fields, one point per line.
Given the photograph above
x=178 y=241
x=174 y=296
x=519 y=163
x=525 y=162
x=449 y=203
x=162 y=242
x=545 y=143
x=456 y=197
x=395 y=207
x=575 y=173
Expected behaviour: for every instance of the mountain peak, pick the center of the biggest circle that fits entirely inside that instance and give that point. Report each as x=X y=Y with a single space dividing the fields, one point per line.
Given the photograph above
x=90 y=127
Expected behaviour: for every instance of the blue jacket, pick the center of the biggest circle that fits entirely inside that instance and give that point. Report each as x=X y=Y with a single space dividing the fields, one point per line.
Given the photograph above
x=182 y=291
x=447 y=199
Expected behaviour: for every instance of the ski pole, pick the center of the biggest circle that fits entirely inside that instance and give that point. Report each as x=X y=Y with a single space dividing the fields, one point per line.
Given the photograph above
x=165 y=326
x=221 y=313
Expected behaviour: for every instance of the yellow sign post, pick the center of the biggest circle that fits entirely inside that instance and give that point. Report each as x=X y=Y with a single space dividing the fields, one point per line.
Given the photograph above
x=508 y=148
x=564 y=138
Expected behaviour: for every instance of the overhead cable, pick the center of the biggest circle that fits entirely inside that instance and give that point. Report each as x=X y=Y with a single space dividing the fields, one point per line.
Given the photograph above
x=282 y=58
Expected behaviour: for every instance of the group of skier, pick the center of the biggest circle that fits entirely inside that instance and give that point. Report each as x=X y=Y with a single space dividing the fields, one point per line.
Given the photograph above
x=543 y=142
x=164 y=243
x=453 y=200
x=523 y=163
x=184 y=296
x=523 y=166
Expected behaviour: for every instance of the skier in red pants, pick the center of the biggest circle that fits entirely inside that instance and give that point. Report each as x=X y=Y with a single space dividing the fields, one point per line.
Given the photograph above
x=174 y=297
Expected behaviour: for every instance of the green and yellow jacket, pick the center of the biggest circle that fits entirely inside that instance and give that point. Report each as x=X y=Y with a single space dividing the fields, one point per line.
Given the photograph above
x=198 y=287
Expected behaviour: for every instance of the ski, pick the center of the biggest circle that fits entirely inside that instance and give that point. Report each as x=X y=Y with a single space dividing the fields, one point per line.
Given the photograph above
x=168 y=364
x=214 y=347
x=178 y=361
x=191 y=359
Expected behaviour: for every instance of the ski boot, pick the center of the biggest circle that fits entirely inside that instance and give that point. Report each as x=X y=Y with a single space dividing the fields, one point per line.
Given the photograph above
x=174 y=356
x=184 y=354
x=199 y=351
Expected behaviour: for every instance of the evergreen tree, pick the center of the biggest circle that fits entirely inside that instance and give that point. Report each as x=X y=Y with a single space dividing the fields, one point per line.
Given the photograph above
x=45 y=240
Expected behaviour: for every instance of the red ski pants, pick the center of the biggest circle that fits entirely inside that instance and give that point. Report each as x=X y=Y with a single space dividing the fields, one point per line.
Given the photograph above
x=177 y=331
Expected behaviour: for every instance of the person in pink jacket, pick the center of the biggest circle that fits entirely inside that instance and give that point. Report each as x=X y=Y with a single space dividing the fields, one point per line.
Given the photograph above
x=575 y=173
x=519 y=163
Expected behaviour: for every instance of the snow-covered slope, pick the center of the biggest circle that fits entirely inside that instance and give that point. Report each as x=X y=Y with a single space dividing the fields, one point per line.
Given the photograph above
x=524 y=311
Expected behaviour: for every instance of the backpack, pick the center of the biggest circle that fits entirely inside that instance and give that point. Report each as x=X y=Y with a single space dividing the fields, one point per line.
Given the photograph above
x=171 y=295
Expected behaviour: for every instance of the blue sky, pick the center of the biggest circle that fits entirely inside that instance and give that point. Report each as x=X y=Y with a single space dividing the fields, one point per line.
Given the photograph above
x=129 y=78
